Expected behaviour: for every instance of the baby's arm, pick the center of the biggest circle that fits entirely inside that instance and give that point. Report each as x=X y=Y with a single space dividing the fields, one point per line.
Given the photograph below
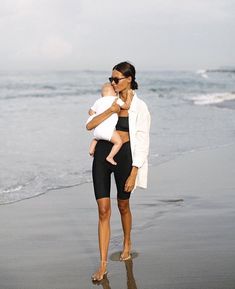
x=92 y=147
x=125 y=105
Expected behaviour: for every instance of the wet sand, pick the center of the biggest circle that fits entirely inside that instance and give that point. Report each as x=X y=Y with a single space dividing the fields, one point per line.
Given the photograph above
x=183 y=232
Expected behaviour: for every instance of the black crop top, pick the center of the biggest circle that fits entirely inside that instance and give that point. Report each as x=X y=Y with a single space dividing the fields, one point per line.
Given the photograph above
x=122 y=123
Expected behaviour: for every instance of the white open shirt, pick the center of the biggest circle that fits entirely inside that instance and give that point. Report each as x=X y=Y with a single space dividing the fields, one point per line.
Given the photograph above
x=139 y=127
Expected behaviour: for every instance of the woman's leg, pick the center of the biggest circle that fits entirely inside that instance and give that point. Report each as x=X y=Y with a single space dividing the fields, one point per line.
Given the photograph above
x=104 y=211
x=126 y=217
x=121 y=173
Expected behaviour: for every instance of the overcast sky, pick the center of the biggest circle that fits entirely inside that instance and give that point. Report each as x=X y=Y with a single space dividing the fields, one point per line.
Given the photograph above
x=96 y=34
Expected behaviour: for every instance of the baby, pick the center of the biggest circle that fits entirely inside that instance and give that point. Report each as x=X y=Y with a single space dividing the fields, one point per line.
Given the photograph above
x=106 y=129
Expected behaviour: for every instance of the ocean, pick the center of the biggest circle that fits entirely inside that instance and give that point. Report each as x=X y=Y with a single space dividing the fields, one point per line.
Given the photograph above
x=44 y=143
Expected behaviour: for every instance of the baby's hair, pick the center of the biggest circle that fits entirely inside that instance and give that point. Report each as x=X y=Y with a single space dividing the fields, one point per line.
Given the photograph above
x=107 y=86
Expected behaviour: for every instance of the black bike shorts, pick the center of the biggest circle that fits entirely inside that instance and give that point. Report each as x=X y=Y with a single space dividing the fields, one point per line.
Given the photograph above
x=102 y=169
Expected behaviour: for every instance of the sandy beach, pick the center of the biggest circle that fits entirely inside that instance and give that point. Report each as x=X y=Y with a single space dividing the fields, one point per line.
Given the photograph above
x=183 y=232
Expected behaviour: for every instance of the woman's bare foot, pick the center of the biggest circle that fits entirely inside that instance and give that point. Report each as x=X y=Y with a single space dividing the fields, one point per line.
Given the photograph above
x=126 y=253
x=99 y=274
x=111 y=160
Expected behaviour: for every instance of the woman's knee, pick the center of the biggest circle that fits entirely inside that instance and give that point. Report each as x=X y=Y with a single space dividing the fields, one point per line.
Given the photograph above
x=104 y=212
x=123 y=206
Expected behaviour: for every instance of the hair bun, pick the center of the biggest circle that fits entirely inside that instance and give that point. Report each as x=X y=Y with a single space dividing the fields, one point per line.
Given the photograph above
x=134 y=84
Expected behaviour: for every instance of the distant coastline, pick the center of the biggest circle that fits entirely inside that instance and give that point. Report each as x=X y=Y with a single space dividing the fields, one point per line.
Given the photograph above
x=222 y=69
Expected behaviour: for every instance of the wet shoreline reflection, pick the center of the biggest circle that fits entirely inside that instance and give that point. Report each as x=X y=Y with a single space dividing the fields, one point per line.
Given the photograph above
x=130 y=279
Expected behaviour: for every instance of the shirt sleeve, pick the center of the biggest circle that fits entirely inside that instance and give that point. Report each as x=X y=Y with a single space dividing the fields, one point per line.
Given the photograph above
x=142 y=138
x=120 y=102
x=94 y=106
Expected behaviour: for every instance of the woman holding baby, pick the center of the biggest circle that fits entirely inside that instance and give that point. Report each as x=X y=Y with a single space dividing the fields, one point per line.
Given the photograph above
x=129 y=163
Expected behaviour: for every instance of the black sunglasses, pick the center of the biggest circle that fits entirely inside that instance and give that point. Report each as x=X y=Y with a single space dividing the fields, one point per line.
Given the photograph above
x=115 y=79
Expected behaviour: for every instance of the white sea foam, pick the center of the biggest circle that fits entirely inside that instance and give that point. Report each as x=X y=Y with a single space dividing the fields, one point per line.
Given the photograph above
x=202 y=72
x=13 y=189
x=212 y=98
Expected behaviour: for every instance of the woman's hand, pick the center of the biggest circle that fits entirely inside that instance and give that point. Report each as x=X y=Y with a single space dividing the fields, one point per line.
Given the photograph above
x=115 y=108
x=130 y=182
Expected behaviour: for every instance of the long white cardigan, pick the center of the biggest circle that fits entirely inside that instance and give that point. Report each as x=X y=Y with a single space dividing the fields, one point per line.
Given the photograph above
x=139 y=126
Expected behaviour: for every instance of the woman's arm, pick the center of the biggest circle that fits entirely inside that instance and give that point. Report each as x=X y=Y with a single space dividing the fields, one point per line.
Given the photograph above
x=130 y=182
x=114 y=108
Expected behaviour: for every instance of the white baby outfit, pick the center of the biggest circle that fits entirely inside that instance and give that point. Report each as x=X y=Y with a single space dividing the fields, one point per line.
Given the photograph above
x=106 y=128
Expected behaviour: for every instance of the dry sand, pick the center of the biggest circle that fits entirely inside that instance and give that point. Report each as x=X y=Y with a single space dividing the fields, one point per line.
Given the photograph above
x=183 y=232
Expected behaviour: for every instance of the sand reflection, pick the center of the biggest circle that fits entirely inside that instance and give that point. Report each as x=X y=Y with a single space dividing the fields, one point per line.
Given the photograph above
x=130 y=279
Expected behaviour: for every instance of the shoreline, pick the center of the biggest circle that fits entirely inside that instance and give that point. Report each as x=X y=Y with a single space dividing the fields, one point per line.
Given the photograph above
x=183 y=231
x=178 y=155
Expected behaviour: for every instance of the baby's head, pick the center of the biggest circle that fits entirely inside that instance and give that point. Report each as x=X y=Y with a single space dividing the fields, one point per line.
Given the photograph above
x=107 y=89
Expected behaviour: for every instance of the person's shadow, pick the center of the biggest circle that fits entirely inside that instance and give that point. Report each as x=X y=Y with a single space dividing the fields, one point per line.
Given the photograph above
x=131 y=284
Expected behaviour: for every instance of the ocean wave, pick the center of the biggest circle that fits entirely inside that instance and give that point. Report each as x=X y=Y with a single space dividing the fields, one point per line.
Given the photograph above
x=202 y=73
x=52 y=94
x=38 y=185
x=217 y=70
x=222 y=70
x=213 y=98
x=49 y=87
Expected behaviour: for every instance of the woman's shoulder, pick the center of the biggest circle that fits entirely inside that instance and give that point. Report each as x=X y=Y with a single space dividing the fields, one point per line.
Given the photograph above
x=141 y=104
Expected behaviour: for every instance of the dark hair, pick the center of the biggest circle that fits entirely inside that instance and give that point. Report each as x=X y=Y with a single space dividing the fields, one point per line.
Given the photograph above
x=127 y=70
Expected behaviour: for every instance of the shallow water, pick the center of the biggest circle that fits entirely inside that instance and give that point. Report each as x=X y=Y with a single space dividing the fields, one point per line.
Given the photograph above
x=44 y=143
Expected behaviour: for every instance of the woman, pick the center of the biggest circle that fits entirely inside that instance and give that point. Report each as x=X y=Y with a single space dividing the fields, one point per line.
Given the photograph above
x=132 y=164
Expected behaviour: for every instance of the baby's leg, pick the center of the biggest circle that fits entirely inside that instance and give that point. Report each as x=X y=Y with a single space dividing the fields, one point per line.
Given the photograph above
x=117 y=143
x=92 y=147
